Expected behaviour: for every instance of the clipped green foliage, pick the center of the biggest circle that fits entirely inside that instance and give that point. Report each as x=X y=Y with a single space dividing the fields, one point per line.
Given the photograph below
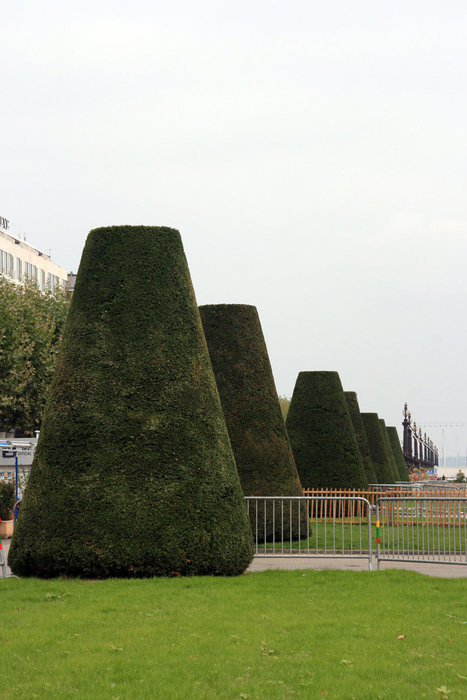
x=392 y=461
x=322 y=435
x=398 y=454
x=378 y=451
x=362 y=440
x=251 y=406
x=133 y=474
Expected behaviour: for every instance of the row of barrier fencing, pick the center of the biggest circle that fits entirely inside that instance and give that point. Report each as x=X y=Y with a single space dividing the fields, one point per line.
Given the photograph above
x=404 y=528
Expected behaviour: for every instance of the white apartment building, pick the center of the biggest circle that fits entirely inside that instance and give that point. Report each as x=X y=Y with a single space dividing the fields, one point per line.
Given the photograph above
x=20 y=261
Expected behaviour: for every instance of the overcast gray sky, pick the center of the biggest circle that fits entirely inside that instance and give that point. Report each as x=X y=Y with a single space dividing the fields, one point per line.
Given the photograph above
x=313 y=156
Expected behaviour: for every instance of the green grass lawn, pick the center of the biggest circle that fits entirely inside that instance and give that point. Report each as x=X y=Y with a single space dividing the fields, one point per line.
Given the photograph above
x=277 y=634
x=401 y=539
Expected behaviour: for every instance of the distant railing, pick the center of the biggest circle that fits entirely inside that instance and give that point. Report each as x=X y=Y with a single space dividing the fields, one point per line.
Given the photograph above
x=400 y=490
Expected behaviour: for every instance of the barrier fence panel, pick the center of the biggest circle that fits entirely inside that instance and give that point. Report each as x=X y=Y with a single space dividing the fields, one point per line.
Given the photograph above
x=421 y=529
x=311 y=526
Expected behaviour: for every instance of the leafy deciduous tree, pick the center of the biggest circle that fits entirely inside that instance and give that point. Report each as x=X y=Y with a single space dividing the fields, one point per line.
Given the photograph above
x=31 y=325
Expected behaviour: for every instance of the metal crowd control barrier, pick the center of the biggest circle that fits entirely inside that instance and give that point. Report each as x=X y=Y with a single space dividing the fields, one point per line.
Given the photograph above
x=421 y=529
x=307 y=526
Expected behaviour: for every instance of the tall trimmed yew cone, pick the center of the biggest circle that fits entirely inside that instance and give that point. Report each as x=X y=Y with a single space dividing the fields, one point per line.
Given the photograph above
x=354 y=410
x=133 y=474
x=322 y=435
x=252 y=412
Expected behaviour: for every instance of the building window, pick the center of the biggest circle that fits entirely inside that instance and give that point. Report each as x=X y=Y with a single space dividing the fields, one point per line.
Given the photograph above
x=19 y=270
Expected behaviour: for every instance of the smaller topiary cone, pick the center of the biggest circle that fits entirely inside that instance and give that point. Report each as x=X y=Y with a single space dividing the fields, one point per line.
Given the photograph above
x=392 y=461
x=354 y=410
x=322 y=435
x=397 y=452
x=252 y=413
x=378 y=451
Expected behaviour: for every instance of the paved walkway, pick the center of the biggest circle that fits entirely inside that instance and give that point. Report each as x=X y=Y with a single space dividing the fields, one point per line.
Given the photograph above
x=320 y=564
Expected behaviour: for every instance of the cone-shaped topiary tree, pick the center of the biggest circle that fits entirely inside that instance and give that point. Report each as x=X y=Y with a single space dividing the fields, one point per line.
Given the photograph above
x=354 y=410
x=133 y=474
x=322 y=435
x=378 y=452
x=397 y=452
x=392 y=461
x=251 y=407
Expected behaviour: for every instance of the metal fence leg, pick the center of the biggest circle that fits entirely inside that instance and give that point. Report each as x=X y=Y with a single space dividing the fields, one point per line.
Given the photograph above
x=377 y=535
x=2 y=560
x=370 y=548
